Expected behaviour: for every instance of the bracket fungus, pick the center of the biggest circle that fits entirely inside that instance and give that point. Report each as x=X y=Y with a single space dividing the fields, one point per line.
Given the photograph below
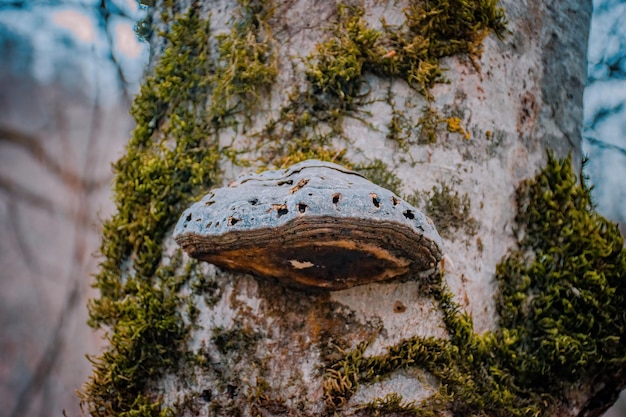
x=314 y=225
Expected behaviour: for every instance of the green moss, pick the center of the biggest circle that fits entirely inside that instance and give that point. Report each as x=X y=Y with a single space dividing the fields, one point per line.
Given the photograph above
x=379 y=173
x=431 y=122
x=146 y=334
x=449 y=211
x=438 y=29
x=143 y=407
x=432 y=30
x=316 y=147
x=562 y=293
x=172 y=158
x=337 y=66
x=412 y=52
x=391 y=403
x=203 y=284
x=562 y=307
x=399 y=130
x=246 y=64
x=428 y=124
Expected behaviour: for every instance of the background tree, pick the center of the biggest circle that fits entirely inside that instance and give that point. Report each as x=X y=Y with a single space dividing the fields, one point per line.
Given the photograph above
x=604 y=130
x=65 y=89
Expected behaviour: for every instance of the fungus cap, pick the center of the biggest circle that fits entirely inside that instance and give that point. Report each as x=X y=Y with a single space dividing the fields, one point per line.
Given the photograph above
x=315 y=224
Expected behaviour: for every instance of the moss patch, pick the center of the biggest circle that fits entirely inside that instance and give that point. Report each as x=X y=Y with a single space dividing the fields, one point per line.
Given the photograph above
x=172 y=158
x=561 y=316
x=337 y=67
x=449 y=211
x=563 y=308
x=246 y=64
x=336 y=75
x=139 y=303
x=432 y=30
x=380 y=174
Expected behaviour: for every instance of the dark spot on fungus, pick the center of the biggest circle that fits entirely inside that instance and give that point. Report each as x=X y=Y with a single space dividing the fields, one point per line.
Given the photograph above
x=399 y=307
x=375 y=200
x=209 y=224
x=281 y=209
x=209 y=203
x=322 y=249
x=299 y=185
x=286 y=182
x=188 y=219
x=198 y=219
x=394 y=201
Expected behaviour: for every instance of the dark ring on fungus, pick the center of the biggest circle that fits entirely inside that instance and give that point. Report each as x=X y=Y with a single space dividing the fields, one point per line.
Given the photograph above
x=305 y=238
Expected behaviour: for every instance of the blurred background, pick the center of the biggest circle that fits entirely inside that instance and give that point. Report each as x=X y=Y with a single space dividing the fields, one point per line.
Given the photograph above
x=68 y=72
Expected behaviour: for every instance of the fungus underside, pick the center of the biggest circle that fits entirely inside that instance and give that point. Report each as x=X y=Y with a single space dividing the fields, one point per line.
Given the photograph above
x=174 y=157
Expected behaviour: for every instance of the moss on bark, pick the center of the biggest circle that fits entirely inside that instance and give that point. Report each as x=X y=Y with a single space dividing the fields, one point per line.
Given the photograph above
x=204 y=84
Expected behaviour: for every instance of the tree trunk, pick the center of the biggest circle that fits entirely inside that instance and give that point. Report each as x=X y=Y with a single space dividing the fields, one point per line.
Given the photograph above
x=445 y=104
